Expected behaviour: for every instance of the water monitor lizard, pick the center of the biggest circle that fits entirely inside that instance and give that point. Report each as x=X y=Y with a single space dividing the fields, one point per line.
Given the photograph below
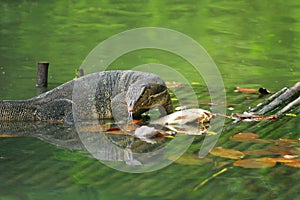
x=116 y=92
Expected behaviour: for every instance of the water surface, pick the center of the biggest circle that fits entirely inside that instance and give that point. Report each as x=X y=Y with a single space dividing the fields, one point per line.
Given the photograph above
x=254 y=44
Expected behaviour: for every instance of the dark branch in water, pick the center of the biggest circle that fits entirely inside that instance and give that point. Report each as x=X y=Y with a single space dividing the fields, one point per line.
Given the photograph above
x=285 y=95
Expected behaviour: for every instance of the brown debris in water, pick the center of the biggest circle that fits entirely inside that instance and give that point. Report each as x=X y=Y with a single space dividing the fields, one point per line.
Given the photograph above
x=227 y=153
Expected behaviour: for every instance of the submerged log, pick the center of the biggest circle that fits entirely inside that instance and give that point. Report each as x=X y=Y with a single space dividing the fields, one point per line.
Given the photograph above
x=286 y=96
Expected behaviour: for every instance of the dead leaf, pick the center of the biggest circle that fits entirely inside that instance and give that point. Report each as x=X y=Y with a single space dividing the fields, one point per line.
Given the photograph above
x=173 y=84
x=266 y=162
x=261 y=91
x=245 y=135
x=255 y=163
x=249 y=139
x=251 y=117
x=192 y=159
x=288 y=140
x=261 y=152
x=227 y=153
x=285 y=160
x=246 y=90
x=293 y=164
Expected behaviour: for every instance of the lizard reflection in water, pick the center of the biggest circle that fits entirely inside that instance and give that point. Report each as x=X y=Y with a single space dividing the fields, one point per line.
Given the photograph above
x=121 y=94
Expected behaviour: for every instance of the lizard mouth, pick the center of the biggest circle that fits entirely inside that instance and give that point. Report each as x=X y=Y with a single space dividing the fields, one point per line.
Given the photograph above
x=145 y=104
x=130 y=107
x=147 y=100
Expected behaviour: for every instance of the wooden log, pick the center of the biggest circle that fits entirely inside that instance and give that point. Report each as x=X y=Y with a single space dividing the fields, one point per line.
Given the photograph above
x=42 y=74
x=80 y=72
x=41 y=90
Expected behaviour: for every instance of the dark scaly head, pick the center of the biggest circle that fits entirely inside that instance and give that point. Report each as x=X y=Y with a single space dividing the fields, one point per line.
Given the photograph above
x=140 y=98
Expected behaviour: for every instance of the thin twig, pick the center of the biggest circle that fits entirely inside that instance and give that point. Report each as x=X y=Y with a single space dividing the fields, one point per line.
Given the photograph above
x=209 y=178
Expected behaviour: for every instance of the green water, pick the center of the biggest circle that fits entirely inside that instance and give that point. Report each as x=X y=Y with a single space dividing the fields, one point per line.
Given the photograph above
x=254 y=44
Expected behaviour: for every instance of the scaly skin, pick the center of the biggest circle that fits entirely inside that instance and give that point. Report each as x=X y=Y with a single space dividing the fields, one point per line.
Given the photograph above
x=116 y=93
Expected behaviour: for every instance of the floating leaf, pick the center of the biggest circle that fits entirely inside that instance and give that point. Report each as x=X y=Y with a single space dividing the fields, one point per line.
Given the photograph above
x=285 y=160
x=293 y=164
x=291 y=115
x=248 y=137
x=227 y=153
x=285 y=151
x=262 y=152
x=192 y=159
x=288 y=162
x=258 y=141
x=288 y=140
x=246 y=90
x=251 y=117
x=261 y=91
x=173 y=84
x=266 y=162
x=245 y=135
x=255 y=163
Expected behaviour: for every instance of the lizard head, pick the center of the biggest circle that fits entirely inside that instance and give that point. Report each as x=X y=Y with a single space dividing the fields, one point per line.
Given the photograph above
x=141 y=98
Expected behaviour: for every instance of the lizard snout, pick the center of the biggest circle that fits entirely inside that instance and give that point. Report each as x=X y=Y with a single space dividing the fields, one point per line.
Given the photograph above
x=130 y=106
